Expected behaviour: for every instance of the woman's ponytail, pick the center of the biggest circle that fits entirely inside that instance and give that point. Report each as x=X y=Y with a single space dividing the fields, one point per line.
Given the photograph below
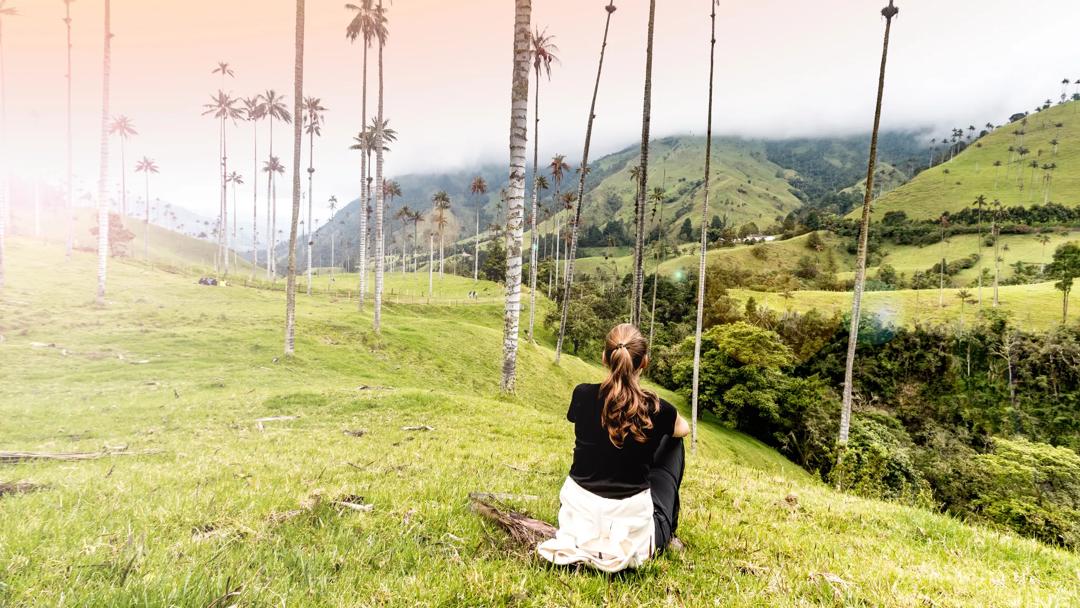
x=627 y=407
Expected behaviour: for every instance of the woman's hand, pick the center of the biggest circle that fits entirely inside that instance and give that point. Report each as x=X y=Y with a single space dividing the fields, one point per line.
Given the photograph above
x=682 y=427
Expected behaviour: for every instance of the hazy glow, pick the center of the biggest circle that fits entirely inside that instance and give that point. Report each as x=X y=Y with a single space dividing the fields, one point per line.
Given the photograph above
x=784 y=68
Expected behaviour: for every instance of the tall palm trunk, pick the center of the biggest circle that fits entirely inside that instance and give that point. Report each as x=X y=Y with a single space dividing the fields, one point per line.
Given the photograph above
x=583 y=170
x=310 y=178
x=363 y=184
x=271 y=211
x=997 y=261
x=558 y=243
x=380 y=194
x=146 y=237
x=235 y=216
x=255 y=202
x=515 y=197
x=535 y=202
x=103 y=174
x=656 y=278
x=123 y=179
x=476 y=247
x=694 y=395
x=298 y=99
x=864 y=228
x=69 y=202
x=442 y=256
x=643 y=183
x=269 y=197
x=4 y=172
x=224 y=238
x=431 y=265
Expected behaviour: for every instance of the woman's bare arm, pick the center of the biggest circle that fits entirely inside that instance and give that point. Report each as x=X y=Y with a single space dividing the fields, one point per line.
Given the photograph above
x=682 y=427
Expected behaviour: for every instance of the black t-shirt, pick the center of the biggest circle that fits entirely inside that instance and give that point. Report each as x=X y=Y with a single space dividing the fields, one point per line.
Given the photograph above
x=599 y=466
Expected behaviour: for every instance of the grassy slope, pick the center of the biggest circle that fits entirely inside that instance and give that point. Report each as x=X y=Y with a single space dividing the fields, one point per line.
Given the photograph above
x=1036 y=307
x=779 y=255
x=185 y=525
x=972 y=172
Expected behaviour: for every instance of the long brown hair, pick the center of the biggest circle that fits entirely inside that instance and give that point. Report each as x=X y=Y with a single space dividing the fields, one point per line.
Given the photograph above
x=627 y=407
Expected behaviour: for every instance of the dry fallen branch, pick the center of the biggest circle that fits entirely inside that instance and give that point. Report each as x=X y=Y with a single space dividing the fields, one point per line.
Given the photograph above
x=523 y=529
x=501 y=496
x=259 y=421
x=13 y=457
x=422 y=427
x=18 y=487
x=355 y=433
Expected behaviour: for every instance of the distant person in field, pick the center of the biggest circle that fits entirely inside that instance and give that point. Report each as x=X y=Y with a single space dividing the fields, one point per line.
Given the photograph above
x=620 y=503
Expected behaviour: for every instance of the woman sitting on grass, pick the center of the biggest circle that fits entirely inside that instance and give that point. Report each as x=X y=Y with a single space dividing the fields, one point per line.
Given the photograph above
x=620 y=503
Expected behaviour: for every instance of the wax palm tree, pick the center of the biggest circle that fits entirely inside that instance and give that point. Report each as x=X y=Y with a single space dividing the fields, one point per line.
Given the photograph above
x=235 y=179
x=254 y=111
x=298 y=136
x=558 y=168
x=146 y=166
x=6 y=12
x=103 y=175
x=694 y=395
x=980 y=202
x=404 y=215
x=69 y=202
x=544 y=54
x=889 y=12
x=381 y=33
x=440 y=204
x=643 y=184
x=478 y=188
x=1044 y=240
x=416 y=219
x=313 y=111
x=225 y=71
x=222 y=107
x=274 y=109
x=995 y=231
x=272 y=168
x=122 y=127
x=965 y=298
x=333 y=233
x=657 y=199
x=364 y=25
x=519 y=128
x=583 y=172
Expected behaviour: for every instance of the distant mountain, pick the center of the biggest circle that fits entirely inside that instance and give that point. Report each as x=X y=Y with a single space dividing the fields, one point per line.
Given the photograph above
x=759 y=181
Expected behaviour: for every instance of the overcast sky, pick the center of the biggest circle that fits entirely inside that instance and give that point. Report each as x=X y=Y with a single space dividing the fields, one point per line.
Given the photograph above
x=784 y=68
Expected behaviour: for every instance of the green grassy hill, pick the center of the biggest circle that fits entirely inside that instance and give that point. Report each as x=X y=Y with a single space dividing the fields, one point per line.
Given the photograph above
x=216 y=510
x=955 y=184
x=746 y=186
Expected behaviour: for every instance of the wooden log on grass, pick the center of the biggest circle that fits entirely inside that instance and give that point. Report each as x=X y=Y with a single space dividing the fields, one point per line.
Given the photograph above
x=18 y=487
x=524 y=530
x=14 y=457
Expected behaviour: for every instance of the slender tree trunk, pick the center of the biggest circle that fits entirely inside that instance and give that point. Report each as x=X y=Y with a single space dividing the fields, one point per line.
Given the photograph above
x=69 y=203
x=997 y=263
x=255 y=203
x=515 y=198
x=558 y=239
x=123 y=179
x=269 y=194
x=270 y=210
x=235 y=218
x=5 y=173
x=224 y=197
x=864 y=228
x=656 y=278
x=298 y=97
x=476 y=247
x=146 y=238
x=643 y=183
x=431 y=265
x=535 y=201
x=363 y=185
x=310 y=178
x=695 y=395
x=380 y=193
x=583 y=171
x=103 y=174
x=442 y=256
